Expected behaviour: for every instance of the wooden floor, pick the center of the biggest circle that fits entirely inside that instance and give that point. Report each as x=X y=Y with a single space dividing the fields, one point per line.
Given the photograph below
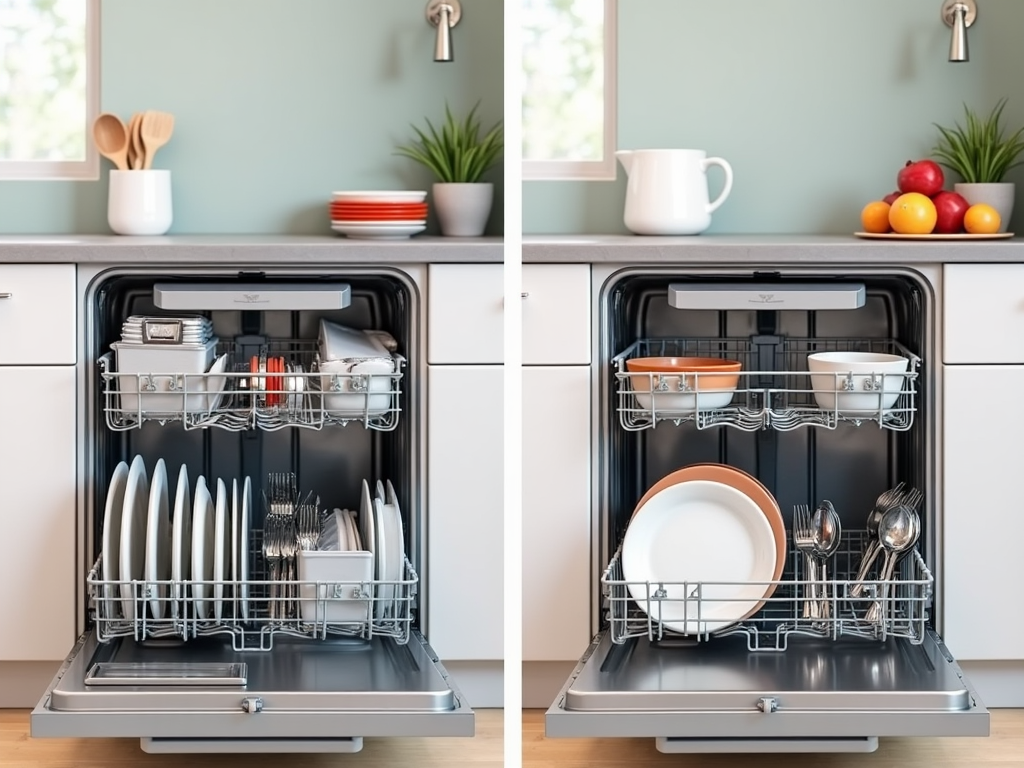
x=1005 y=747
x=17 y=749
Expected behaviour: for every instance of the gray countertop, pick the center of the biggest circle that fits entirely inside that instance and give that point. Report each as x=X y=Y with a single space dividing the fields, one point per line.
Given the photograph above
x=248 y=249
x=763 y=249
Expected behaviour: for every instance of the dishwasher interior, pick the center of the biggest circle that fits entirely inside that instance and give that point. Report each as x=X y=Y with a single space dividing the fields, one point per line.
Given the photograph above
x=776 y=680
x=296 y=652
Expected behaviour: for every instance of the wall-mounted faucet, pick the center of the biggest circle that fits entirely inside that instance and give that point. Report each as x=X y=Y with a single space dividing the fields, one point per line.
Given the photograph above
x=443 y=14
x=959 y=14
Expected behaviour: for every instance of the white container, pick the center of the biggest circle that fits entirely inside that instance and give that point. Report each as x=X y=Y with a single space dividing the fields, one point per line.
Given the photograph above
x=831 y=372
x=163 y=366
x=340 y=381
x=139 y=202
x=335 y=587
x=462 y=209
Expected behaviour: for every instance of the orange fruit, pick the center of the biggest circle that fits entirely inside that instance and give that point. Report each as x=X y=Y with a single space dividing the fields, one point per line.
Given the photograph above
x=982 y=219
x=913 y=214
x=875 y=217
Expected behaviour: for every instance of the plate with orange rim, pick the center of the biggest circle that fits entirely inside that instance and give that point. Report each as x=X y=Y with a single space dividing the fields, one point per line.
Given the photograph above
x=743 y=482
x=958 y=236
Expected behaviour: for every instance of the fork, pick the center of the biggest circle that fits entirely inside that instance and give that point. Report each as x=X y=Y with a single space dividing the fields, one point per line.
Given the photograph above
x=272 y=554
x=803 y=538
x=890 y=499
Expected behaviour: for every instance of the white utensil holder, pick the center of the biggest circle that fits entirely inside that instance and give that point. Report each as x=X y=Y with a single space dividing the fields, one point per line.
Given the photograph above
x=139 y=202
x=335 y=587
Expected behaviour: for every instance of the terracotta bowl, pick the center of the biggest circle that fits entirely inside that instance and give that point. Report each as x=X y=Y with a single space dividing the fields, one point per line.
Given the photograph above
x=706 y=383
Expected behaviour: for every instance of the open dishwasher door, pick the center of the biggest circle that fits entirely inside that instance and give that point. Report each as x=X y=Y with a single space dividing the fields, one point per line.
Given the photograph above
x=780 y=672
x=262 y=643
x=817 y=696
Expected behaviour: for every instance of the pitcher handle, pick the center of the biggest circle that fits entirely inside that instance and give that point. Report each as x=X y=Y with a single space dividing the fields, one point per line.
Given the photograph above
x=728 y=180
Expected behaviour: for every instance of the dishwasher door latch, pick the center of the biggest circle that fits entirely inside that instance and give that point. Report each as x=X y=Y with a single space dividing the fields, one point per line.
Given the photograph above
x=768 y=704
x=254 y=704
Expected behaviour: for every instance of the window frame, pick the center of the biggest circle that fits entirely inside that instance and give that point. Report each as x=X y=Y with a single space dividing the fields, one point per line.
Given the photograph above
x=71 y=170
x=591 y=170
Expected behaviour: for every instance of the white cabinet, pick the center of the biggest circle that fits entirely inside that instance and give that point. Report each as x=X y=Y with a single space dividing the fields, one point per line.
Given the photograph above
x=983 y=313
x=465 y=521
x=984 y=524
x=556 y=314
x=466 y=313
x=37 y=314
x=37 y=513
x=556 y=512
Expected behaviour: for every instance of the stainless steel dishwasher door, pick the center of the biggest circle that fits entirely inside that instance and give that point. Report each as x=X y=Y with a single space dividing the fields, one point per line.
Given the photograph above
x=838 y=695
x=301 y=691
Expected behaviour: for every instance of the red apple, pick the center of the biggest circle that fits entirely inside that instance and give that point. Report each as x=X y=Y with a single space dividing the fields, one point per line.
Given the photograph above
x=924 y=176
x=950 y=208
x=891 y=197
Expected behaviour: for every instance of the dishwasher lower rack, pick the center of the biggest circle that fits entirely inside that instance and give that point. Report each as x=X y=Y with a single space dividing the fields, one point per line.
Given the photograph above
x=309 y=394
x=901 y=604
x=774 y=388
x=252 y=612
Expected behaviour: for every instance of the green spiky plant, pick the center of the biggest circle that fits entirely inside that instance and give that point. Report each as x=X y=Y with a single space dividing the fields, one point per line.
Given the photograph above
x=979 y=152
x=457 y=153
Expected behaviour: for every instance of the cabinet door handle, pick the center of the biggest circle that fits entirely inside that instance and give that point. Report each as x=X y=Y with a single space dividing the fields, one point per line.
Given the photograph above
x=6 y=295
x=525 y=295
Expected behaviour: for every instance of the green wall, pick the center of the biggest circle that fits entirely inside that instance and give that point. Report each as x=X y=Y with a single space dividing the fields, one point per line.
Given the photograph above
x=277 y=104
x=815 y=103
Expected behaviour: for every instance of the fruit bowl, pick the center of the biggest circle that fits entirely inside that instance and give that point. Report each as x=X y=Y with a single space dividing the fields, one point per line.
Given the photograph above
x=683 y=384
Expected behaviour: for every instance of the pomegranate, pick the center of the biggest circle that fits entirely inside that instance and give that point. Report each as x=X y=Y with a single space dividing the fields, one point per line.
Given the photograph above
x=950 y=208
x=923 y=176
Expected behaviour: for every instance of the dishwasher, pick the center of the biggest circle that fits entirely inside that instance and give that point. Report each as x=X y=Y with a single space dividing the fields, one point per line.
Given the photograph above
x=312 y=662
x=780 y=680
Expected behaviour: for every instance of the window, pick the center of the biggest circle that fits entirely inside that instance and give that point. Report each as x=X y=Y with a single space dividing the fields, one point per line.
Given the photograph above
x=568 y=89
x=49 y=88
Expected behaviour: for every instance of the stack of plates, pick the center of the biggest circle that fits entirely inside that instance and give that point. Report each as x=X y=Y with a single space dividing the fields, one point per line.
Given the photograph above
x=139 y=329
x=379 y=215
x=707 y=524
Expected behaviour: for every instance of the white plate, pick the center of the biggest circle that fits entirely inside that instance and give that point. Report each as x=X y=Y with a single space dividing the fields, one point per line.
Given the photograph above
x=133 y=534
x=342 y=526
x=111 y=563
x=235 y=514
x=202 y=548
x=392 y=499
x=393 y=553
x=699 y=532
x=380 y=196
x=221 y=534
x=378 y=231
x=243 y=547
x=380 y=492
x=181 y=539
x=158 y=540
x=215 y=383
x=385 y=592
x=355 y=541
x=367 y=525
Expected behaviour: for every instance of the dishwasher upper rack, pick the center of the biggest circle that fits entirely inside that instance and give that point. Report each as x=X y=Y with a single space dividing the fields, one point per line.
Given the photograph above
x=237 y=400
x=775 y=389
x=904 y=608
x=371 y=607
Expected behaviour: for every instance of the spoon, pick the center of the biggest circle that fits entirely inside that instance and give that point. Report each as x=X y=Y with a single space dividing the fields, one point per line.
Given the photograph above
x=898 y=531
x=885 y=502
x=155 y=130
x=827 y=533
x=111 y=139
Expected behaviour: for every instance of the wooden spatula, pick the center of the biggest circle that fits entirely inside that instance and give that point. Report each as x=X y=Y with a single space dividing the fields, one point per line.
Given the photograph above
x=155 y=130
x=136 y=152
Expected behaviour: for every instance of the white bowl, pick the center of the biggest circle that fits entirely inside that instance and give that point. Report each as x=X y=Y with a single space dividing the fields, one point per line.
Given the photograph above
x=831 y=372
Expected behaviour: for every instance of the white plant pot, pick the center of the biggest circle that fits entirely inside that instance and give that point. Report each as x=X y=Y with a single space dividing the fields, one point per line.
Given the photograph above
x=462 y=209
x=139 y=202
x=999 y=195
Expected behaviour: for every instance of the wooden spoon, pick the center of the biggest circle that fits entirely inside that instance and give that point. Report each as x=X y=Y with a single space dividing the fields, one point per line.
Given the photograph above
x=111 y=139
x=136 y=153
x=156 y=129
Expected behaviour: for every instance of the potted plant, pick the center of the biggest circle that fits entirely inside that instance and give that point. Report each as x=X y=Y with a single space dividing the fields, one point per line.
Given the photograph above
x=458 y=156
x=981 y=155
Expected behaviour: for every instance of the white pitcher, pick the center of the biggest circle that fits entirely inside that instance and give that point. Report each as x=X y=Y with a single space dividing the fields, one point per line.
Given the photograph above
x=667 y=190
